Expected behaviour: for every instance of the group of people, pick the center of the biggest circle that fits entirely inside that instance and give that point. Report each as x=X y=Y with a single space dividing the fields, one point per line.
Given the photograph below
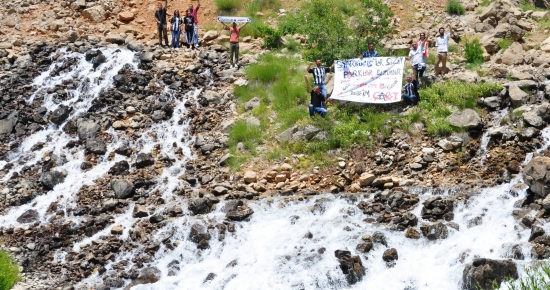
x=189 y=24
x=418 y=55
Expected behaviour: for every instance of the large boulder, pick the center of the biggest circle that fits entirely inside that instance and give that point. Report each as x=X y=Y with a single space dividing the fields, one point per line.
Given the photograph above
x=143 y=160
x=467 y=118
x=435 y=231
x=28 y=216
x=95 y=14
x=200 y=206
x=299 y=133
x=536 y=174
x=50 y=179
x=126 y=16
x=122 y=188
x=60 y=114
x=517 y=96
x=87 y=129
x=96 y=146
x=148 y=275
x=7 y=125
x=351 y=266
x=484 y=272
x=532 y=119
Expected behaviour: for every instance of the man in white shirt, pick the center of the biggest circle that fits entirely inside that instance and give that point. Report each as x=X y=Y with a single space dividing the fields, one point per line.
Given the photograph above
x=442 y=44
x=415 y=56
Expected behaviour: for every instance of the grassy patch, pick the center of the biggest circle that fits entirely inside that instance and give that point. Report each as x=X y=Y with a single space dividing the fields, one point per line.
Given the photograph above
x=227 y=4
x=544 y=22
x=453 y=48
x=9 y=271
x=526 y=6
x=455 y=7
x=484 y=3
x=473 y=51
x=503 y=44
x=537 y=279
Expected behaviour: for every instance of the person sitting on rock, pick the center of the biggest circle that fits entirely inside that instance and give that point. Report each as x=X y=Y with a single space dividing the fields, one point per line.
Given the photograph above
x=189 y=21
x=415 y=55
x=369 y=53
x=160 y=16
x=410 y=94
x=319 y=74
x=176 y=23
x=316 y=104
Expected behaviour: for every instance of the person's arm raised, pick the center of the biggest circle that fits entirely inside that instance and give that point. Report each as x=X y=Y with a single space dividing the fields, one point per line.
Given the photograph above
x=225 y=25
x=246 y=23
x=309 y=89
x=165 y=4
x=309 y=67
x=450 y=29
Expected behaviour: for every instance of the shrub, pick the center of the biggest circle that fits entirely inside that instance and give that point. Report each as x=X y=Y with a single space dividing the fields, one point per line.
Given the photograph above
x=455 y=7
x=473 y=51
x=453 y=48
x=9 y=271
x=227 y=4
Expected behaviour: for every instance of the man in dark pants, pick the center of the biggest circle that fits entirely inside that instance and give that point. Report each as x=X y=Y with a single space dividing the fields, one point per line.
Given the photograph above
x=319 y=73
x=410 y=92
x=317 y=99
x=160 y=16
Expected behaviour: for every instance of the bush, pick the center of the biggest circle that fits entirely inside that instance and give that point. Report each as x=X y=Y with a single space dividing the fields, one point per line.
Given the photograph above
x=473 y=51
x=455 y=7
x=9 y=271
x=227 y=4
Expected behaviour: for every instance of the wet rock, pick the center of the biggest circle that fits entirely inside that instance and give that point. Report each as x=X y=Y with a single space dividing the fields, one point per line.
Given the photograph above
x=484 y=272
x=198 y=233
x=143 y=160
x=536 y=232
x=240 y=214
x=492 y=103
x=50 y=179
x=29 y=216
x=412 y=233
x=390 y=255
x=60 y=114
x=200 y=206
x=209 y=277
x=467 y=118
x=351 y=266
x=379 y=237
x=156 y=218
x=122 y=188
x=120 y=168
x=536 y=177
x=96 y=146
x=148 y=275
x=140 y=211
x=87 y=129
x=365 y=246
x=146 y=57
x=435 y=231
x=438 y=208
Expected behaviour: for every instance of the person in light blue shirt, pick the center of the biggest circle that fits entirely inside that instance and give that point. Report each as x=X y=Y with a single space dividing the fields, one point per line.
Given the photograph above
x=370 y=53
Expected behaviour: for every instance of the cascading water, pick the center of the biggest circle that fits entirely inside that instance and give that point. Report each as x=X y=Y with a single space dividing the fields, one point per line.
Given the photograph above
x=485 y=138
x=285 y=245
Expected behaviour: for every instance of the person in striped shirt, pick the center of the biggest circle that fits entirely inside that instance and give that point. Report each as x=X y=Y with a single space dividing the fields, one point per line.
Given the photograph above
x=369 y=53
x=319 y=73
x=410 y=92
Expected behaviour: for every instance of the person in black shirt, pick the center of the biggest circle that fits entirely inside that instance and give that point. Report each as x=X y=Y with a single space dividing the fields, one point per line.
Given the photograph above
x=317 y=100
x=410 y=94
x=189 y=22
x=160 y=16
x=319 y=73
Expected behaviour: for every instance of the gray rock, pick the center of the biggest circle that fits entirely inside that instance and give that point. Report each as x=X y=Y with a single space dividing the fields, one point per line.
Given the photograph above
x=536 y=175
x=87 y=129
x=212 y=97
x=517 y=96
x=253 y=103
x=148 y=275
x=72 y=36
x=122 y=188
x=120 y=168
x=390 y=255
x=135 y=45
x=253 y=121
x=532 y=119
x=219 y=190
x=96 y=146
x=50 y=179
x=158 y=115
x=28 y=216
x=60 y=114
x=7 y=125
x=449 y=144
x=143 y=160
x=467 y=118
x=198 y=233
x=95 y=14
x=492 y=103
x=484 y=272
x=200 y=206
x=146 y=57
x=140 y=211
x=115 y=38
x=435 y=231
x=298 y=133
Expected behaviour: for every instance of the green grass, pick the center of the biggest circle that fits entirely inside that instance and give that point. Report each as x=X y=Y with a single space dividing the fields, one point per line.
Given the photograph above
x=537 y=279
x=526 y=6
x=473 y=51
x=503 y=44
x=544 y=22
x=453 y=48
x=484 y=3
x=455 y=7
x=227 y=4
x=9 y=271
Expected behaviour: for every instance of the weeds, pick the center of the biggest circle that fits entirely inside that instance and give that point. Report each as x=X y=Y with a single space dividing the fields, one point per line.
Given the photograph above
x=227 y=4
x=503 y=44
x=537 y=279
x=9 y=271
x=473 y=51
x=455 y=7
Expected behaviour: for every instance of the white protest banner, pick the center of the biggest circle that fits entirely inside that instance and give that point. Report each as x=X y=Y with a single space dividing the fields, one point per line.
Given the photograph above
x=233 y=19
x=369 y=80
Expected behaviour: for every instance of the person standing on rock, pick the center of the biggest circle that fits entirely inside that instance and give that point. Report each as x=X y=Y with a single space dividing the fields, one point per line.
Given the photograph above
x=442 y=44
x=189 y=21
x=317 y=100
x=160 y=16
x=415 y=56
x=410 y=92
x=423 y=41
x=319 y=73
x=371 y=52
x=196 y=25
x=176 y=23
x=234 y=42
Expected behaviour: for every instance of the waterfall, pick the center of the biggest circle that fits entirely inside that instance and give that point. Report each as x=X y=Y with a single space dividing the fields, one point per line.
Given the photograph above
x=496 y=119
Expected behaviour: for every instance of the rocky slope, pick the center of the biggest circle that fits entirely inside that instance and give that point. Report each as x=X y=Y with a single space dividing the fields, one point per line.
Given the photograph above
x=108 y=142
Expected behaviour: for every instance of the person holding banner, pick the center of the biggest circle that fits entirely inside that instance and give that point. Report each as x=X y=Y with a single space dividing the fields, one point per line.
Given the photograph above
x=415 y=55
x=189 y=21
x=319 y=73
x=196 y=26
x=160 y=16
x=369 y=53
x=316 y=103
x=234 y=41
x=410 y=92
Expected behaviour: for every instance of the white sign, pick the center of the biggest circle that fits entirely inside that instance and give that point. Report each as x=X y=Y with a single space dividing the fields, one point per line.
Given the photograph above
x=233 y=19
x=368 y=80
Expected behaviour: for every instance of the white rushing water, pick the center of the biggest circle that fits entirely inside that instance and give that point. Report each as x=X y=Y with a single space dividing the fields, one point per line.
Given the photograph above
x=497 y=117
x=269 y=251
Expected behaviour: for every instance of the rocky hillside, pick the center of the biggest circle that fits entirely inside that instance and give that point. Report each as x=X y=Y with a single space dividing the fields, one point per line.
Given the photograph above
x=114 y=153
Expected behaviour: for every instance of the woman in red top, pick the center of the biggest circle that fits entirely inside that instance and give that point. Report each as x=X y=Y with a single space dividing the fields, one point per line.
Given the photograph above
x=234 y=42
x=421 y=42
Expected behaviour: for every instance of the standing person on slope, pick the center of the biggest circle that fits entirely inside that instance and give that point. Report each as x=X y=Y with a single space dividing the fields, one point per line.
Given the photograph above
x=415 y=56
x=196 y=24
x=189 y=21
x=423 y=41
x=234 y=42
x=160 y=16
x=442 y=43
x=176 y=23
x=319 y=73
